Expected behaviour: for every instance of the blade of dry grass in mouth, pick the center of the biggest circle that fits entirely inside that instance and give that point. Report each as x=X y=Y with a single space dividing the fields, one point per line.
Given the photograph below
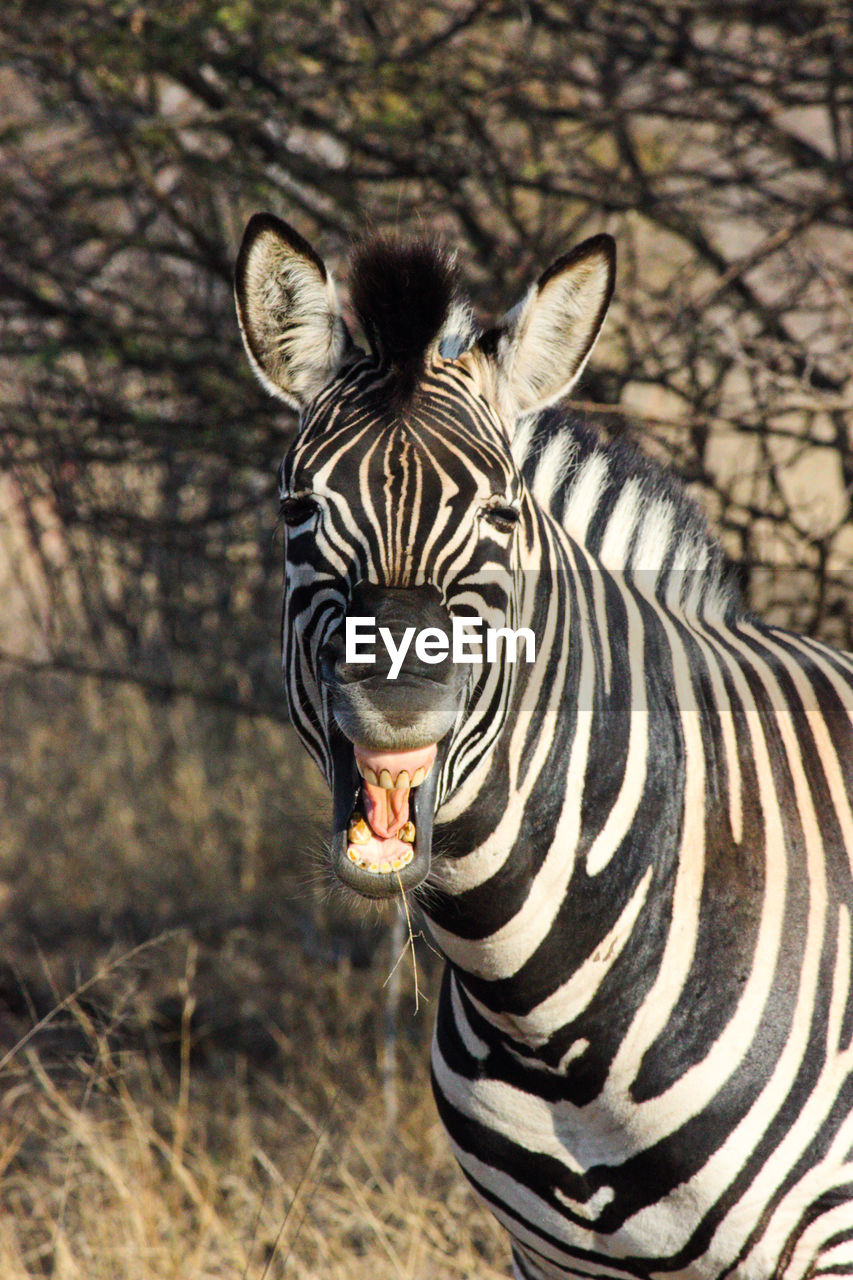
x=409 y=945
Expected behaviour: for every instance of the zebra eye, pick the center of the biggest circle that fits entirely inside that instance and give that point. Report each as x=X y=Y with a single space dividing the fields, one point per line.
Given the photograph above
x=298 y=510
x=503 y=518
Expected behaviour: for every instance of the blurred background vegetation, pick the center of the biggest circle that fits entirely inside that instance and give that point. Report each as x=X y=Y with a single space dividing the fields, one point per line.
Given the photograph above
x=222 y=1101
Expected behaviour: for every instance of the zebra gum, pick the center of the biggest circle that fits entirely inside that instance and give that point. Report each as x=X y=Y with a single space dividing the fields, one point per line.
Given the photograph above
x=395 y=770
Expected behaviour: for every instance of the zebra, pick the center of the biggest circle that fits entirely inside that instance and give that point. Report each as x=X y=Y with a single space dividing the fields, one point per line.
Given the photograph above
x=633 y=852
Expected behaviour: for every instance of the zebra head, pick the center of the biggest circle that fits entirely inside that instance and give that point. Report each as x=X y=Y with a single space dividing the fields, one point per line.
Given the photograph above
x=402 y=505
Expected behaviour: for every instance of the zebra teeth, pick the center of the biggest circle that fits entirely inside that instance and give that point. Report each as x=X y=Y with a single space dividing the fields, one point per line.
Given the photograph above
x=361 y=860
x=379 y=868
x=407 y=832
x=359 y=831
x=381 y=775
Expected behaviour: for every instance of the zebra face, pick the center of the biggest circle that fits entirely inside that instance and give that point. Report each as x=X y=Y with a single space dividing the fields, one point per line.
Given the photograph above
x=405 y=517
x=398 y=521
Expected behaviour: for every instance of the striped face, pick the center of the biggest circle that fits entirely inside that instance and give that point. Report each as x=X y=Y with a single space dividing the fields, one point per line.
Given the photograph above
x=404 y=514
x=407 y=517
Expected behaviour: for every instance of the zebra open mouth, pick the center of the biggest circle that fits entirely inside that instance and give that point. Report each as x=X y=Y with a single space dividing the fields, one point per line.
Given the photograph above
x=382 y=835
x=384 y=843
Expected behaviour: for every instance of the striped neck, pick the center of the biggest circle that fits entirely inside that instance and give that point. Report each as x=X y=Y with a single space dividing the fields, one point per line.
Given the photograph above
x=536 y=811
x=627 y=513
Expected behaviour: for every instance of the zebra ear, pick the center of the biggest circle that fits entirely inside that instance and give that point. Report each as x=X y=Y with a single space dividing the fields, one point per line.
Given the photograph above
x=539 y=349
x=288 y=310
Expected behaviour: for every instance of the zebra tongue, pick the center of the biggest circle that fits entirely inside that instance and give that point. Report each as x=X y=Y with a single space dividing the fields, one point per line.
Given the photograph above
x=386 y=811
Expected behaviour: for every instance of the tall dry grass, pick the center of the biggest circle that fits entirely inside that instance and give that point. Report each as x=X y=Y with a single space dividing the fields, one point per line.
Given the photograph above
x=123 y=1162
x=201 y=1072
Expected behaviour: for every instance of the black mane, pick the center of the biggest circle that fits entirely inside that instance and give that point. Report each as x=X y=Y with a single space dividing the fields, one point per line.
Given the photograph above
x=402 y=292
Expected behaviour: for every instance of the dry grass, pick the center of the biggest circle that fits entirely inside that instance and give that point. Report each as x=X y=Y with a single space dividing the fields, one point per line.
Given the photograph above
x=141 y=1139
x=115 y=1166
x=234 y=1098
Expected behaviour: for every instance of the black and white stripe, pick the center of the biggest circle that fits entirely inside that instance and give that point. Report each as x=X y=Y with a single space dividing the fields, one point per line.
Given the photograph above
x=643 y=1053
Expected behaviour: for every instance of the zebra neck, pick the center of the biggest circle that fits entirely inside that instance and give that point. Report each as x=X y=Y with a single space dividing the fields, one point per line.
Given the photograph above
x=628 y=514
x=572 y=836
